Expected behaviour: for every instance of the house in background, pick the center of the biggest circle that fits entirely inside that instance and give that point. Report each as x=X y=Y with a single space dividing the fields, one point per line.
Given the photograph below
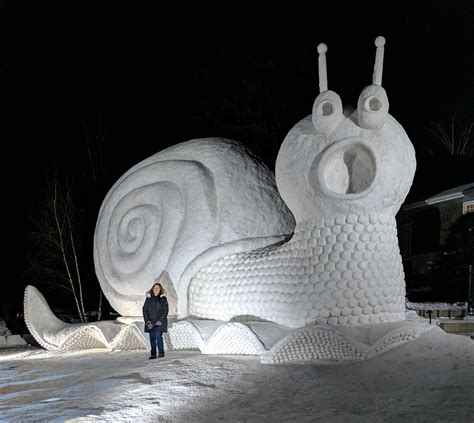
x=424 y=228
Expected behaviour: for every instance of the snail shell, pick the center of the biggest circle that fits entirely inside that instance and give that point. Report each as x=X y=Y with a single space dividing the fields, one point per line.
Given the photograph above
x=166 y=211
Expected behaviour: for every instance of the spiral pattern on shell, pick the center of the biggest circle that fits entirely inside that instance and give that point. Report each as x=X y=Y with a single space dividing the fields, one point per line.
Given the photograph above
x=139 y=231
x=138 y=228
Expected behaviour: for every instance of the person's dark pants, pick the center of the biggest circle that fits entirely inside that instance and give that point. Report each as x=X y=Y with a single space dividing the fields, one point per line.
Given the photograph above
x=156 y=339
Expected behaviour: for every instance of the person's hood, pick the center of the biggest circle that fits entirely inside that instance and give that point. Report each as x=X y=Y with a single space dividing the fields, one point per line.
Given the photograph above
x=148 y=295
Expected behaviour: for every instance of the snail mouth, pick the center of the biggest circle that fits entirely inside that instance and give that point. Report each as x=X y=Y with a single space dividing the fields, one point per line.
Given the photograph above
x=347 y=169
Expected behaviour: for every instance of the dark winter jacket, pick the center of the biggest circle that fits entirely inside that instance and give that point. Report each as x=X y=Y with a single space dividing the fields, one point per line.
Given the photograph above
x=155 y=310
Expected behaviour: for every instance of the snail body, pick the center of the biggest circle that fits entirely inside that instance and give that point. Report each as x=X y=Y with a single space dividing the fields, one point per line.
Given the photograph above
x=342 y=264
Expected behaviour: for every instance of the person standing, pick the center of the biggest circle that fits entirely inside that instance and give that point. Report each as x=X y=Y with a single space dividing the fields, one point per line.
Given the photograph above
x=155 y=314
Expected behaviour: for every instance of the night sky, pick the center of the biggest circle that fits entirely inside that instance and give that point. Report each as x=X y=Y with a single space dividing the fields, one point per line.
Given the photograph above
x=147 y=77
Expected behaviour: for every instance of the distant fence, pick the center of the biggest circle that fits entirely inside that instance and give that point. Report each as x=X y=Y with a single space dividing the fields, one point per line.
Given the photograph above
x=457 y=310
x=452 y=314
x=470 y=290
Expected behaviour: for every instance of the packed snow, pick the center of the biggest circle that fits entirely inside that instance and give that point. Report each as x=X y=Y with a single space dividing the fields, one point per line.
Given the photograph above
x=8 y=340
x=429 y=379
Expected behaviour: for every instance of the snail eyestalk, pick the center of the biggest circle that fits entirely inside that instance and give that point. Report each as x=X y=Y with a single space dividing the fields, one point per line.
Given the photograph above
x=378 y=67
x=323 y=75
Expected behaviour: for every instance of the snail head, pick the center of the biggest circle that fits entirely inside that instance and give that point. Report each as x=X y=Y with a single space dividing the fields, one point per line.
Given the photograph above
x=347 y=161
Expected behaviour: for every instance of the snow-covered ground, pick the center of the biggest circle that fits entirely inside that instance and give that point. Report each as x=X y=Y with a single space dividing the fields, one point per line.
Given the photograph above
x=430 y=379
x=435 y=306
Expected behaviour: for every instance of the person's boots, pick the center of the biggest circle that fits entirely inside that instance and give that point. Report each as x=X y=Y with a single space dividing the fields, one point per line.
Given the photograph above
x=161 y=355
x=152 y=356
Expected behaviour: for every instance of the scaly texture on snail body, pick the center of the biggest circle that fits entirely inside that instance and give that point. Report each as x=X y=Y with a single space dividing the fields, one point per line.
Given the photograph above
x=342 y=265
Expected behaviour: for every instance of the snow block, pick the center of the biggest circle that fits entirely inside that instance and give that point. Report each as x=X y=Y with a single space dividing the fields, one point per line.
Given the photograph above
x=7 y=341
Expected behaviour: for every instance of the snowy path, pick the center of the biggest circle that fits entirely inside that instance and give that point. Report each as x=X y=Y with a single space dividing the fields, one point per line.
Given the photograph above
x=430 y=379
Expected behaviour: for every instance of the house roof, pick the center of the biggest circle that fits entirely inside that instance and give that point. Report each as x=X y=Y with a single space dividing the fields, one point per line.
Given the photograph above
x=450 y=194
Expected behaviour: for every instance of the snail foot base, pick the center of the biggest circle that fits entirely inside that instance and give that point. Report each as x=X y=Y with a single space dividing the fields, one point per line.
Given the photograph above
x=278 y=344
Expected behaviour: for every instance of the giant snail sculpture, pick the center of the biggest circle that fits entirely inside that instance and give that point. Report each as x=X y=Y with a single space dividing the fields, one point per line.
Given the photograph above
x=242 y=273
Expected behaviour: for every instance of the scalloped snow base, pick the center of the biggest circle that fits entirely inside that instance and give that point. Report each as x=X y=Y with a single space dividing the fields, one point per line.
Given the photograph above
x=273 y=343
x=278 y=344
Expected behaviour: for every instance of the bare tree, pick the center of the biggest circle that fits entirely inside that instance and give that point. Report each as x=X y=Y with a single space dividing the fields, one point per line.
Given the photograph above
x=97 y=173
x=56 y=262
x=457 y=139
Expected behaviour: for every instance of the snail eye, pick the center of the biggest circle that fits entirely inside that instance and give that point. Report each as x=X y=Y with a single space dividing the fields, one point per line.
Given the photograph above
x=327 y=112
x=372 y=107
x=372 y=104
x=325 y=109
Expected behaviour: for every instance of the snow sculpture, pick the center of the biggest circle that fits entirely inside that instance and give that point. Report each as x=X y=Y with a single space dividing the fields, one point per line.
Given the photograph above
x=206 y=218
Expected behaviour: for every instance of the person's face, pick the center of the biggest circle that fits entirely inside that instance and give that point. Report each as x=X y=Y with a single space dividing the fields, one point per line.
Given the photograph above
x=156 y=290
